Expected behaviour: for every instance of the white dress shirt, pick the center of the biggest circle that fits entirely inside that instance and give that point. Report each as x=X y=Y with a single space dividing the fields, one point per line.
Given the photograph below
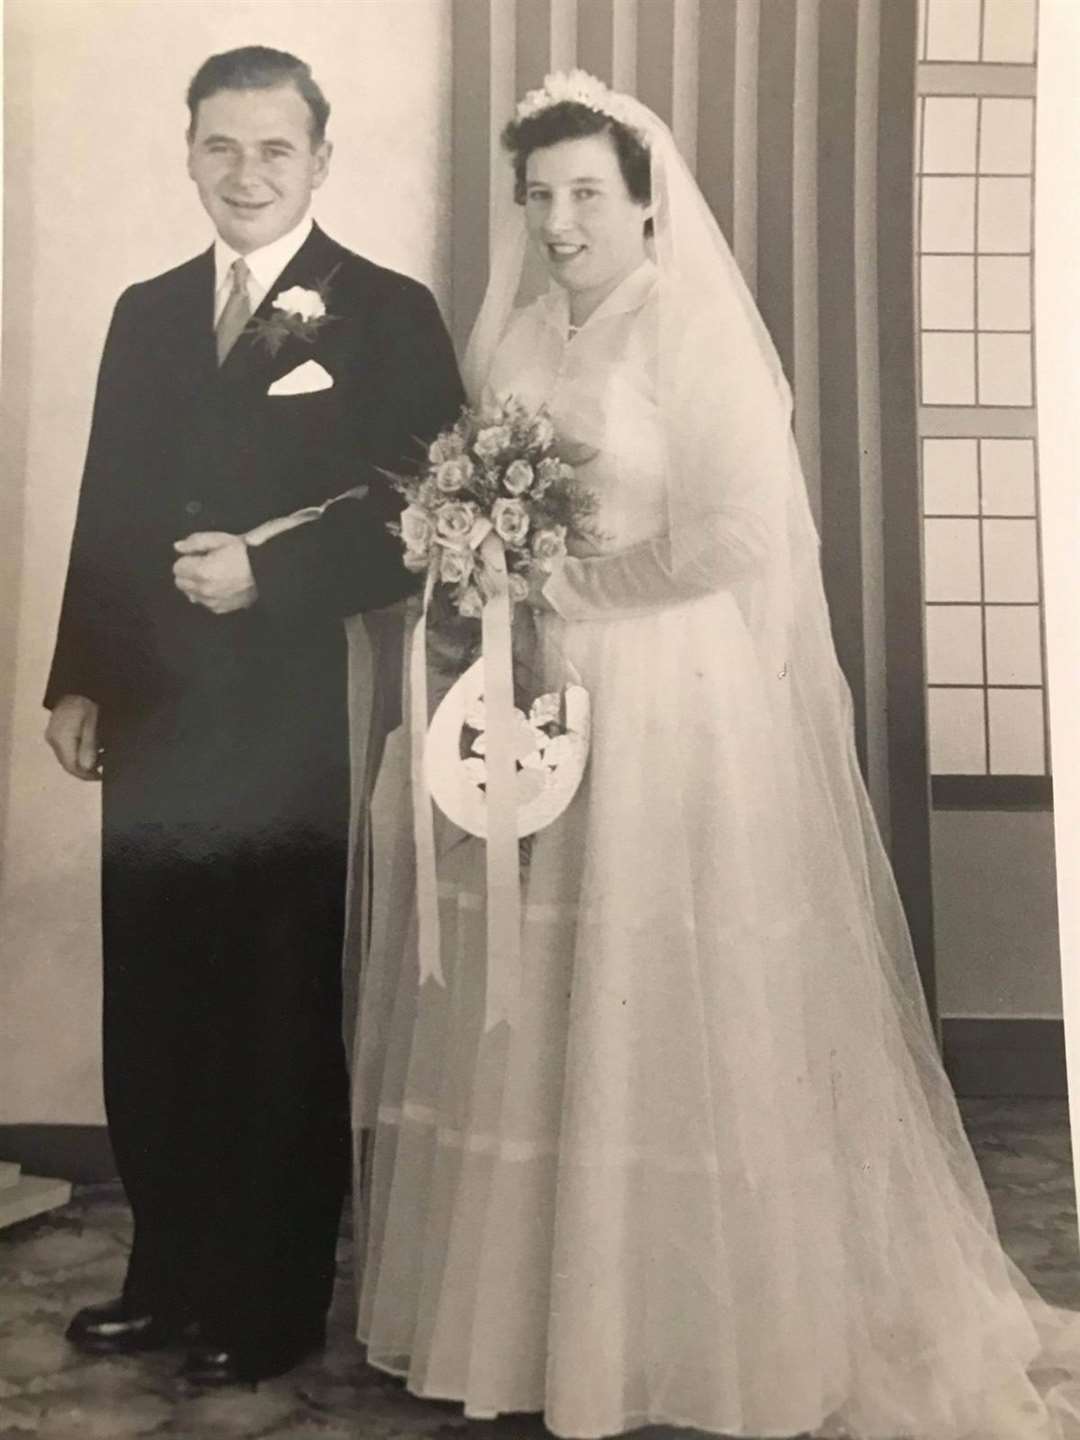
x=265 y=265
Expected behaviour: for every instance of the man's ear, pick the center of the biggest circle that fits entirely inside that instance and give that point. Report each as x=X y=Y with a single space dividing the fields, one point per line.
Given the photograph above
x=323 y=151
x=189 y=138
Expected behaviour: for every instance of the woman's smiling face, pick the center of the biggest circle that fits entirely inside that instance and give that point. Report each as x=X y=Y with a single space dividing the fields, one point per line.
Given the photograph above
x=587 y=226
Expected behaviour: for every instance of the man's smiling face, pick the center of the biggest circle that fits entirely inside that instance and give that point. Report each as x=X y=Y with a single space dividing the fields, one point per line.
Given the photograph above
x=255 y=163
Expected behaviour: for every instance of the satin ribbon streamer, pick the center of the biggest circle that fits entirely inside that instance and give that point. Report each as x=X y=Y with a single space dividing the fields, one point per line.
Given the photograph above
x=427 y=885
x=503 y=876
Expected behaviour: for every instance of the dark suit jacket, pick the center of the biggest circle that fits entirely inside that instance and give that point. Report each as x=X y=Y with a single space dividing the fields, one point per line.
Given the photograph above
x=178 y=445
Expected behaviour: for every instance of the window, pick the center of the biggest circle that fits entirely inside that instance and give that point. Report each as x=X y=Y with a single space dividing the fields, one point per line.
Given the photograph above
x=979 y=452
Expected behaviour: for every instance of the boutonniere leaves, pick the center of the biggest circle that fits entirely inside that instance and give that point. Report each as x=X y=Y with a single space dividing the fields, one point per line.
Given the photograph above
x=298 y=314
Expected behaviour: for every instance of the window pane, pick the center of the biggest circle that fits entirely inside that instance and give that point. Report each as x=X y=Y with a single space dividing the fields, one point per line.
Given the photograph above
x=952 y=30
x=948 y=369
x=1009 y=32
x=1005 y=140
x=1010 y=560
x=954 y=654
x=1004 y=369
x=949 y=126
x=1017 y=741
x=957 y=727
x=1013 y=645
x=1004 y=214
x=1008 y=477
x=948 y=293
x=952 y=560
x=950 y=477
x=948 y=214
x=1004 y=292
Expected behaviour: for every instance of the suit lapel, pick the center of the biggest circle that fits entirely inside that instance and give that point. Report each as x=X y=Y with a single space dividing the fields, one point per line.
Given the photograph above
x=250 y=359
x=190 y=326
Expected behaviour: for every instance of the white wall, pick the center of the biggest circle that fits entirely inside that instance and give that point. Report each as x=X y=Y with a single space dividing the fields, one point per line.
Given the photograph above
x=96 y=196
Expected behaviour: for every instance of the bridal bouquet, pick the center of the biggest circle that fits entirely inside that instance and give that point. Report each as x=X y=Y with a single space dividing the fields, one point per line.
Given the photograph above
x=494 y=504
x=503 y=754
x=496 y=472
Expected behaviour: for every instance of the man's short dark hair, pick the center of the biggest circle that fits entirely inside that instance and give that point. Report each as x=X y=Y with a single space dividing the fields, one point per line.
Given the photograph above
x=257 y=67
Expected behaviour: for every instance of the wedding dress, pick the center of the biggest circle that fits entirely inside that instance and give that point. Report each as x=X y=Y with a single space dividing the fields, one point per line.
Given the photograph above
x=713 y=1174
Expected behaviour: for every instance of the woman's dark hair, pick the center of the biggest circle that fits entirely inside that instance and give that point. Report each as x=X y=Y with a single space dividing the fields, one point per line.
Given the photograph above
x=569 y=120
x=257 y=67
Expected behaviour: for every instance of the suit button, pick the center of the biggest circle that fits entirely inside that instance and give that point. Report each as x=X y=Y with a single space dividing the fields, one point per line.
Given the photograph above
x=193 y=507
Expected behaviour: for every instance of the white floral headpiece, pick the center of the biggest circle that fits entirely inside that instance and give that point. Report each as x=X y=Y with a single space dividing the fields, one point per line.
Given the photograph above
x=580 y=88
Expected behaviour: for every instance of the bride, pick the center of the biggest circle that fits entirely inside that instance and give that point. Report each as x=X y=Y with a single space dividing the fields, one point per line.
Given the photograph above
x=712 y=1173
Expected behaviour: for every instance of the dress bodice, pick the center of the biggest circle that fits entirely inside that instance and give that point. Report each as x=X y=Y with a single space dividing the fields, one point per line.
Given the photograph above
x=599 y=384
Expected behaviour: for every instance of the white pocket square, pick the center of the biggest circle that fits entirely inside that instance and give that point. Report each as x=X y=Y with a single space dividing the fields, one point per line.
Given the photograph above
x=303 y=380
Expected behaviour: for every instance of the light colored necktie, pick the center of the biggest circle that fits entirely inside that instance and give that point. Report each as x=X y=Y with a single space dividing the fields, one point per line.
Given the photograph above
x=237 y=311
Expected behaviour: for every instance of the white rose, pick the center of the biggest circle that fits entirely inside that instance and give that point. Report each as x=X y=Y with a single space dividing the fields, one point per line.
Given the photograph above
x=454 y=474
x=416 y=532
x=491 y=440
x=549 y=545
x=308 y=304
x=518 y=477
x=455 y=566
x=511 y=521
x=416 y=529
x=455 y=520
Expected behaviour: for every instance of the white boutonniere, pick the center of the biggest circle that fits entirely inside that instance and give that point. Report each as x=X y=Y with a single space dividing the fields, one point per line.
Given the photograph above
x=298 y=314
x=304 y=304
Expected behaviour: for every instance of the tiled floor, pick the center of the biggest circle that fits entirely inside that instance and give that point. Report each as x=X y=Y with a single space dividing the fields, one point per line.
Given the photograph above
x=51 y=1266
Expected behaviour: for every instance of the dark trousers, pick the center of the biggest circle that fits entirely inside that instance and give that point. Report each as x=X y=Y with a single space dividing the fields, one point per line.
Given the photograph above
x=224 y=862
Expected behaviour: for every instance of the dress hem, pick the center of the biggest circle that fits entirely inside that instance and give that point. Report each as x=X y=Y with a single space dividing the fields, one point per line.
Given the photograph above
x=626 y=1425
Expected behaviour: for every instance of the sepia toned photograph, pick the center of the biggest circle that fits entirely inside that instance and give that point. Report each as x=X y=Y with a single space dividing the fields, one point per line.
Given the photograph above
x=539 y=803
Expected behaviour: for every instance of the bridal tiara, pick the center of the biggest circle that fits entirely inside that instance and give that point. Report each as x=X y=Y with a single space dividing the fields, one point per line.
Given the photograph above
x=578 y=87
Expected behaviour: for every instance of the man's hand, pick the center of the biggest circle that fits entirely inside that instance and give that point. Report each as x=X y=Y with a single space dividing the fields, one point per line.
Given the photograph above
x=72 y=732
x=214 y=571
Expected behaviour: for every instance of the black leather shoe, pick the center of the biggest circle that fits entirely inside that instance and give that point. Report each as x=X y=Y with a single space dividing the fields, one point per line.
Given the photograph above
x=120 y=1328
x=211 y=1364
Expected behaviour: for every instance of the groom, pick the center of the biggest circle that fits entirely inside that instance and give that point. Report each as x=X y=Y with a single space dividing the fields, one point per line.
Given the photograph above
x=202 y=677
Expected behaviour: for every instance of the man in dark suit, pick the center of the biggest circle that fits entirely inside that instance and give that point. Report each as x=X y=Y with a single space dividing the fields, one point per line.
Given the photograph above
x=203 y=678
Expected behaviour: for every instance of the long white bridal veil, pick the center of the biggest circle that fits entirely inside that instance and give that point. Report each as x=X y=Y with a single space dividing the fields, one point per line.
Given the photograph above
x=739 y=518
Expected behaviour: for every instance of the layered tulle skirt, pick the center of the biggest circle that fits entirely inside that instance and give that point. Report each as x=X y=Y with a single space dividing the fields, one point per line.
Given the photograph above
x=713 y=1175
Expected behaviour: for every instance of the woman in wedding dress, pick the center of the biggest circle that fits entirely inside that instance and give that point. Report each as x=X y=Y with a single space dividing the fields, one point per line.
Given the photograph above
x=712 y=1173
